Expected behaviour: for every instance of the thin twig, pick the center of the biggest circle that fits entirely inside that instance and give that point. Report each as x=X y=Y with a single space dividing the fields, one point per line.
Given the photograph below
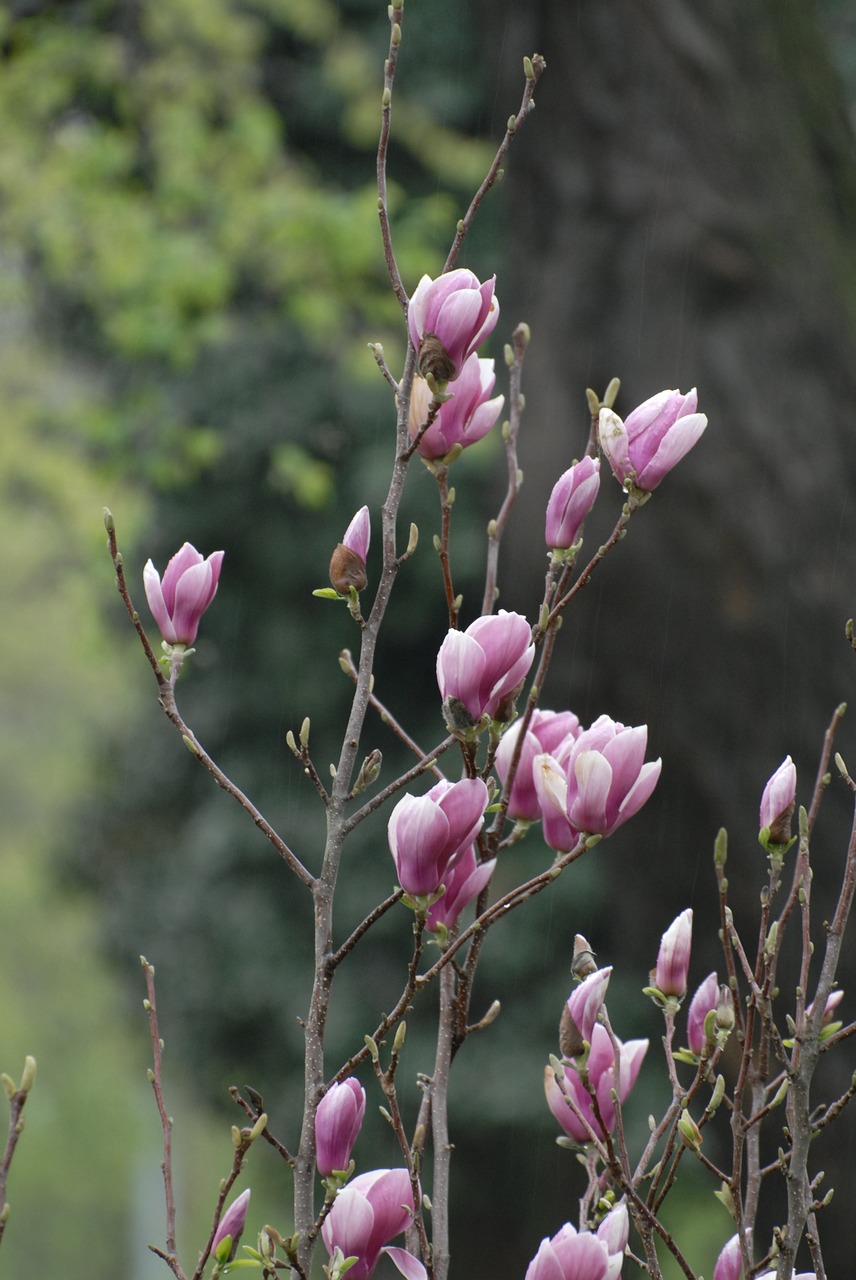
x=156 y=1080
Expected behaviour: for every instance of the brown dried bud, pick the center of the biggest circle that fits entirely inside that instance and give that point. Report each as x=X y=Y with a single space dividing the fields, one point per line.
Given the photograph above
x=435 y=359
x=583 y=962
x=570 y=1036
x=347 y=570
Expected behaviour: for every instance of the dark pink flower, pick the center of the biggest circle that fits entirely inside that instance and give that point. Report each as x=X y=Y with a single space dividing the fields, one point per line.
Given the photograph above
x=480 y=670
x=338 y=1121
x=373 y=1209
x=188 y=587
x=652 y=439
x=448 y=318
x=601 y=1070
x=462 y=420
x=570 y=502
x=425 y=832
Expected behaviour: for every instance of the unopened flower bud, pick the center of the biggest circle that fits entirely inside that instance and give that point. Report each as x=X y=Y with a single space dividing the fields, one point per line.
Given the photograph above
x=777 y=805
x=231 y=1225
x=338 y=1121
x=348 y=562
x=673 y=959
x=583 y=962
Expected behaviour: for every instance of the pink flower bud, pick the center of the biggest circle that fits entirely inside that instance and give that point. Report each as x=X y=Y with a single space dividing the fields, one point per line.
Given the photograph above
x=570 y=502
x=643 y=449
x=833 y=1000
x=705 y=999
x=777 y=802
x=464 y=880
x=464 y=419
x=448 y=318
x=374 y=1208
x=358 y=534
x=673 y=958
x=601 y=1072
x=232 y=1223
x=338 y=1121
x=480 y=670
x=551 y=731
x=606 y=782
x=425 y=832
x=189 y=585
x=348 y=562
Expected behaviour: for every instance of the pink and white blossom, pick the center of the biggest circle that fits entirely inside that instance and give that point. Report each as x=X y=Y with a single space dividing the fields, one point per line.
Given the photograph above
x=605 y=782
x=368 y=1213
x=480 y=670
x=550 y=731
x=644 y=447
x=188 y=587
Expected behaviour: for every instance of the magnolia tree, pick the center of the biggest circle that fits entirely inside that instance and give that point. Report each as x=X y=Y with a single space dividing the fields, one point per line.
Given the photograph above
x=742 y=1060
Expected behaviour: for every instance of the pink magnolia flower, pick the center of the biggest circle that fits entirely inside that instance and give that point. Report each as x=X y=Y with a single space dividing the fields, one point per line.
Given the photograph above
x=777 y=802
x=583 y=1006
x=338 y=1121
x=551 y=731
x=572 y=499
x=373 y=1209
x=480 y=670
x=705 y=999
x=602 y=1075
x=232 y=1225
x=605 y=782
x=188 y=587
x=673 y=958
x=464 y=880
x=652 y=439
x=571 y=1255
x=462 y=420
x=426 y=832
x=448 y=318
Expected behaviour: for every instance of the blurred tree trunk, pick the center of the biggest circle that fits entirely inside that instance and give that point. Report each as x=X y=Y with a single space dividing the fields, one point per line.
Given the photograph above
x=681 y=213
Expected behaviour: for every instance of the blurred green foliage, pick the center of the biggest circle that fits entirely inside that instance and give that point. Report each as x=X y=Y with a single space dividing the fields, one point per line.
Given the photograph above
x=190 y=272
